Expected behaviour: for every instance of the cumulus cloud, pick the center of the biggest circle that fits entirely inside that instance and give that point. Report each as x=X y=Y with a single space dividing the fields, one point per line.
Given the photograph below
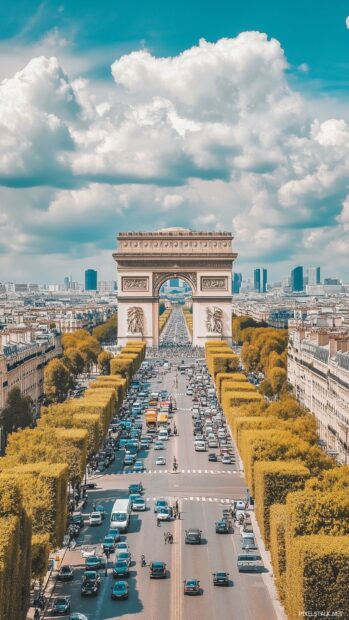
x=347 y=22
x=214 y=137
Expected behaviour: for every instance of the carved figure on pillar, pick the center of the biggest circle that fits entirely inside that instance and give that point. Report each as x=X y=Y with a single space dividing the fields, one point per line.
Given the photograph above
x=214 y=320
x=135 y=320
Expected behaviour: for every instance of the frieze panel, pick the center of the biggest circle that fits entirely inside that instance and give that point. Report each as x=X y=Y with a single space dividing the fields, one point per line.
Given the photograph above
x=214 y=283
x=137 y=284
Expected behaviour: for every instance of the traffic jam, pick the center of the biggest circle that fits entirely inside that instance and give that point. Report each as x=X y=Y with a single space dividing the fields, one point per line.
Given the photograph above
x=146 y=423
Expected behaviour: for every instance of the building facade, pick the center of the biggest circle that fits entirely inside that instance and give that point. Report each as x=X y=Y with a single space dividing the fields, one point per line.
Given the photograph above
x=297 y=283
x=318 y=369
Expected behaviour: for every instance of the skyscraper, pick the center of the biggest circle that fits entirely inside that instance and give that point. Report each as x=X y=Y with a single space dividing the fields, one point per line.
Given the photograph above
x=297 y=279
x=260 y=279
x=237 y=280
x=90 y=280
x=174 y=282
x=314 y=275
x=66 y=283
x=257 y=280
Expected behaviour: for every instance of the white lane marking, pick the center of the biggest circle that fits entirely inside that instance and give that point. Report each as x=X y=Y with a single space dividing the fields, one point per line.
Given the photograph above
x=203 y=499
x=197 y=499
x=160 y=471
x=183 y=471
x=215 y=499
x=191 y=498
x=211 y=471
x=194 y=471
x=188 y=471
x=199 y=471
x=210 y=499
x=165 y=471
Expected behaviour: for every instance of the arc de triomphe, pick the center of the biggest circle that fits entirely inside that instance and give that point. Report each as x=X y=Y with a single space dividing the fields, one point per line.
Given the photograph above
x=145 y=260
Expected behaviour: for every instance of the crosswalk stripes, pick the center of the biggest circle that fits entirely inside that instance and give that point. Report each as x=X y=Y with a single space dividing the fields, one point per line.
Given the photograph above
x=183 y=471
x=224 y=500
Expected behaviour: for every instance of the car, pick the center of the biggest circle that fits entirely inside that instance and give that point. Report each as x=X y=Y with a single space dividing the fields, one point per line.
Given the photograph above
x=66 y=573
x=164 y=514
x=95 y=518
x=125 y=555
x=136 y=487
x=157 y=570
x=60 y=606
x=90 y=584
x=222 y=527
x=160 y=461
x=121 y=569
x=158 y=445
x=94 y=562
x=212 y=457
x=139 y=504
x=161 y=502
x=119 y=590
x=192 y=586
x=193 y=536
x=108 y=543
x=133 y=497
x=138 y=467
x=100 y=509
x=212 y=443
x=226 y=460
x=121 y=547
x=129 y=459
x=77 y=519
x=115 y=534
x=221 y=578
x=249 y=544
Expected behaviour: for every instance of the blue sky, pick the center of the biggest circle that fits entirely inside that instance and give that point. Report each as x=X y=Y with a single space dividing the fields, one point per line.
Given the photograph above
x=250 y=134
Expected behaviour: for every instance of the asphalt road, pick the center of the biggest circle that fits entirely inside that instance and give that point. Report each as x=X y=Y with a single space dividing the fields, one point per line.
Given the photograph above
x=201 y=489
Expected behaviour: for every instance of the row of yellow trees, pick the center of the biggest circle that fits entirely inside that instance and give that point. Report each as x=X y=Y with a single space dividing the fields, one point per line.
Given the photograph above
x=301 y=498
x=188 y=315
x=164 y=318
x=35 y=473
x=264 y=349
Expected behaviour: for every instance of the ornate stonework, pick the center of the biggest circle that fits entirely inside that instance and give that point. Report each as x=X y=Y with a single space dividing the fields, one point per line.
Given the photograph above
x=135 y=283
x=135 y=320
x=146 y=260
x=214 y=320
x=214 y=284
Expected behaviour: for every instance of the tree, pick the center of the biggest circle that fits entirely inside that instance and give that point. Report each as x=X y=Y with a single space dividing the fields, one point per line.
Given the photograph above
x=17 y=412
x=277 y=378
x=103 y=361
x=57 y=381
x=250 y=357
x=108 y=331
x=266 y=389
x=74 y=361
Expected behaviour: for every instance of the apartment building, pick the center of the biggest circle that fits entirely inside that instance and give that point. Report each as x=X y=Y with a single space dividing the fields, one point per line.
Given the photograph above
x=24 y=354
x=318 y=369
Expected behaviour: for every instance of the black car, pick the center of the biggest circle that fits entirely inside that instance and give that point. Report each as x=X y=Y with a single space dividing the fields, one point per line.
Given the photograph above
x=193 y=536
x=221 y=579
x=157 y=570
x=121 y=569
x=222 y=527
x=90 y=584
x=212 y=457
x=135 y=488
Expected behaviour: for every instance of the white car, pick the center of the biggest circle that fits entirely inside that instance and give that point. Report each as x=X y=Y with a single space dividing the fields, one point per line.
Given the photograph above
x=160 y=461
x=226 y=460
x=139 y=504
x=189 y=392
x=120 y=547
x=95 y=518
x=158 y=445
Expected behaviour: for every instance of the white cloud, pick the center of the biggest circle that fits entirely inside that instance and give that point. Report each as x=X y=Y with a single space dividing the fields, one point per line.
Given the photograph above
x=347 y=22
x=214 y=137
